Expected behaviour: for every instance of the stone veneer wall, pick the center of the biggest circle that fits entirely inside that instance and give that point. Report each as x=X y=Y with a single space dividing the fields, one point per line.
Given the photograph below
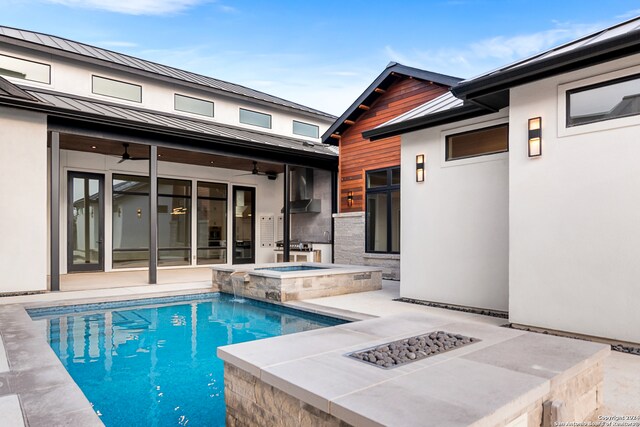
x=296 y=288
x=315 y=227
x=349 y=243
x=251 y=402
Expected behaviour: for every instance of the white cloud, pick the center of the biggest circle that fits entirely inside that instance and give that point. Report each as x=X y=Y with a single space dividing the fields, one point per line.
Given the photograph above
x=489 y=53
x=342 y=73
x=134 y=7
x=630 y=14
x=227 y=9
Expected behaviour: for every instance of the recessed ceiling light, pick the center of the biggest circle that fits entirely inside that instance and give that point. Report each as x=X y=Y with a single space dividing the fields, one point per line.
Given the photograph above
x=93 y=147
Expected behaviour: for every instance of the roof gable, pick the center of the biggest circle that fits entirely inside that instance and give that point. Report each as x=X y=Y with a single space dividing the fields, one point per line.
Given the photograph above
x=378 y=88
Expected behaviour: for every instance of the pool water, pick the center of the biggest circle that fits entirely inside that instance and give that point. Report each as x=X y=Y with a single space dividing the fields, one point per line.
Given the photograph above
x=156 y=364
x=293 y=268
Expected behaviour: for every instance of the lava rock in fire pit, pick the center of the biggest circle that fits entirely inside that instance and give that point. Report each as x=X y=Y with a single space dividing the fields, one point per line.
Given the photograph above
x=411 y=349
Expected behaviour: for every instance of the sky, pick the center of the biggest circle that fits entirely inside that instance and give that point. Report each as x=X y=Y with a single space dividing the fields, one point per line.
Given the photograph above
x=322 y=54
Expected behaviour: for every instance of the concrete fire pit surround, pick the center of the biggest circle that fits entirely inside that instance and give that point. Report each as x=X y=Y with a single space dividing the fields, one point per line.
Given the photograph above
x=253 y=281
x=505 y=379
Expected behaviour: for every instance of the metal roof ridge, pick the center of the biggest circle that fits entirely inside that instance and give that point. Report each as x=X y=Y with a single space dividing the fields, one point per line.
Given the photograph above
x=294 y=105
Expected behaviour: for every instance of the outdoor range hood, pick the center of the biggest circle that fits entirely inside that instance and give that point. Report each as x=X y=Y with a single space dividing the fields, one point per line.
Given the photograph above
x=302 y=200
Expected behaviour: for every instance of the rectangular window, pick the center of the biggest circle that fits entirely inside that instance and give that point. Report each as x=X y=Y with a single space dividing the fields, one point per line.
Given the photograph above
x=174 y=222
x=383 y=211
x=305 y=129
x=116 y=89
x=212 y=223
x=23 y=69
x=478 y=142
x=604 y=101
x=130 y=221
x=193 y=105
x=254 y=118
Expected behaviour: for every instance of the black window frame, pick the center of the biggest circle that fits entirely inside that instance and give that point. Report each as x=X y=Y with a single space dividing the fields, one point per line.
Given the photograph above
x=34 y=62
x=447 y=156
x=591 y=87
x=175 y=107
x=188 y=196
x=115 y=80
x=293 y=129
x=388 y=189
x=226 y=200
x=124 y=176
x=256 y=112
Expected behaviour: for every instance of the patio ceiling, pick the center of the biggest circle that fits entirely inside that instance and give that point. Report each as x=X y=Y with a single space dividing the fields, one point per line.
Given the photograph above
x=112 y=147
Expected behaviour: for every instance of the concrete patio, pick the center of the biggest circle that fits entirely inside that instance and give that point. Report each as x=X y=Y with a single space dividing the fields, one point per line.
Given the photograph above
x=621 y=371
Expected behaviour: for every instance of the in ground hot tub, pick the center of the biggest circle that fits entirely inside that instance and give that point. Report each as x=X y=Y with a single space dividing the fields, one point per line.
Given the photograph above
x=288 y=281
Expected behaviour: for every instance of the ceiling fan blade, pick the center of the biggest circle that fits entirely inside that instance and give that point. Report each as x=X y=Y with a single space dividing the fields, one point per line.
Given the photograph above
x=122 y=160
x=138 y=158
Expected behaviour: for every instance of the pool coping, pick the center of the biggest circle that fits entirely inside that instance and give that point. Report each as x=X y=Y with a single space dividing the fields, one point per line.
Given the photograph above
x=45 y=390
x=321 y=269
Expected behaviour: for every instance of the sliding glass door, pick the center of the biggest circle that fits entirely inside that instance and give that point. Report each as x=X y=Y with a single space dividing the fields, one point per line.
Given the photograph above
x=244 y=201
x=130 y=221
x=174 y=222
x=85 y=222
x=212 y=223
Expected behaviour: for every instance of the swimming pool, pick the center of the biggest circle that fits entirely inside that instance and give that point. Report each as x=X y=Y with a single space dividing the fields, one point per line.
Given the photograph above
x=153 y=362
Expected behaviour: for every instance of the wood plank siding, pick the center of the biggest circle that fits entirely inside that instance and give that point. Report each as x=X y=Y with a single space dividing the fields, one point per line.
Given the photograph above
x=358 y=155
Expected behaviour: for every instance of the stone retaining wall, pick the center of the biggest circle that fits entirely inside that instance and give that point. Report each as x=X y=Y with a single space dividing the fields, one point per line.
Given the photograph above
x=349 y=244
x=284 y=289
x=251 y=402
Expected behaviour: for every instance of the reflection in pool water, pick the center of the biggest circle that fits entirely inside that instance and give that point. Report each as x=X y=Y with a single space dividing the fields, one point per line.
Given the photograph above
x=157 y=365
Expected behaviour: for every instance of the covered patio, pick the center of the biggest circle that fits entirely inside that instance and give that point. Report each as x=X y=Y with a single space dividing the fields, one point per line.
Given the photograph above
x=220 y=192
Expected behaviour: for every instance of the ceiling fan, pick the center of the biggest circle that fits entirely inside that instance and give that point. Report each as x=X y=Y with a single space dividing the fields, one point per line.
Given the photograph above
x=127 y=156
x=256 y=171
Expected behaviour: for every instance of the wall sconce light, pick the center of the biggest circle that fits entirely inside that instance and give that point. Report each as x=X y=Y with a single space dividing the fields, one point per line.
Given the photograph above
x=535 y=137
x=350 y=198
x=420 y=168
x=139 y=212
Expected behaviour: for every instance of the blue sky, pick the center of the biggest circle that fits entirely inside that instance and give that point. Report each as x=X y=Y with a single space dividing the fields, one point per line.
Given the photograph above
x=321 y=54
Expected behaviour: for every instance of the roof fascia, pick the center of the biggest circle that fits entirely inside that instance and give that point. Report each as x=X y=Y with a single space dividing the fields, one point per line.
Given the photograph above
x=464 y=112
x=582 y=57
x=395 y=68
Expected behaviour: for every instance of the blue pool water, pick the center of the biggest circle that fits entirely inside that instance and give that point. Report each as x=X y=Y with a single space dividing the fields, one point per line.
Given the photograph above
x=292 y=268
x=155 y=363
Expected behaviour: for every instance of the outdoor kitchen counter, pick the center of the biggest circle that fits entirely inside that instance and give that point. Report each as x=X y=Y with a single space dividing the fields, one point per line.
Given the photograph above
x=504 y=379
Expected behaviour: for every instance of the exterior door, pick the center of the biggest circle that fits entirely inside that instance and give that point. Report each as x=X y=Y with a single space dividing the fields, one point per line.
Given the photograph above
x=244 y=226
x=85 y=222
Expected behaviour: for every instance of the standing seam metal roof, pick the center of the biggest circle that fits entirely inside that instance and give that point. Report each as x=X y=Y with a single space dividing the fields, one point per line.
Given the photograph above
x=444 y=102
x=82 y=49
x=586 y=43
x=167 y=120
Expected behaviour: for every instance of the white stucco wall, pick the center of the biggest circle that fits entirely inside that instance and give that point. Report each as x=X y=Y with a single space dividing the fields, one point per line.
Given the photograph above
x=575 y=213
x=23 y=211
x=454 y=243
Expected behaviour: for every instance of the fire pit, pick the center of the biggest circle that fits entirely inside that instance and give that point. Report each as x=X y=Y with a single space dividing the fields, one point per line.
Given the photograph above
x=397 y=353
